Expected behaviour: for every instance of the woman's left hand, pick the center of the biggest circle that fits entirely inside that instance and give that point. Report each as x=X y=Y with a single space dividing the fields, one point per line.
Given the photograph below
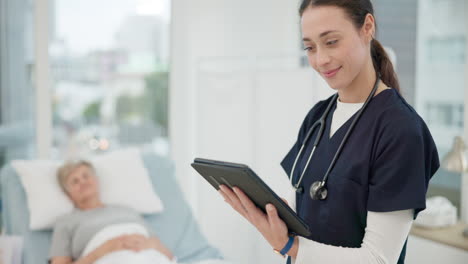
x=273 y=228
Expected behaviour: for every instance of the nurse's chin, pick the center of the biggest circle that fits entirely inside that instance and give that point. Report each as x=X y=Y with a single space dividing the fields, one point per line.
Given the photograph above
x=336 y=85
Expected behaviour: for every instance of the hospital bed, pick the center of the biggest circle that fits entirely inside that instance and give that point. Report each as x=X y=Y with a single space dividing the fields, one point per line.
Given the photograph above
x=176 y=226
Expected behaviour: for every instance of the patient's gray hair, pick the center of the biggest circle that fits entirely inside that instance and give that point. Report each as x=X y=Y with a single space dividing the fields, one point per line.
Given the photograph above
x=66 y=169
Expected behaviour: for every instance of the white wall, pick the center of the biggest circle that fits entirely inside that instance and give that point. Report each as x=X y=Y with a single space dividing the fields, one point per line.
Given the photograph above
x=219 y=28
x=202 y=31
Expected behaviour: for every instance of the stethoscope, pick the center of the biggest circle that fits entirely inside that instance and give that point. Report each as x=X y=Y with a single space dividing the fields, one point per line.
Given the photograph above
x=318 y=190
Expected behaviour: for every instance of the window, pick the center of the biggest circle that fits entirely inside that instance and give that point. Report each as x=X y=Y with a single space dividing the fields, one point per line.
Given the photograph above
x=445 y=114
x=16 y=90
x=459 y=116
x=450 y=49
x=430 y=45
x=110 y=76
x=441 y=83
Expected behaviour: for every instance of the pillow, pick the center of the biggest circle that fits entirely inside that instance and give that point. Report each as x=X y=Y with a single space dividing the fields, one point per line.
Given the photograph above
x=46 y=201
x=123 y=180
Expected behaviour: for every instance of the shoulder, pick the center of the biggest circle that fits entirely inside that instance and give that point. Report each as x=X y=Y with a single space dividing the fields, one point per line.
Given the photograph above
x=64 y=222
x=125 y=210
x=400 y=126
x=396 y=116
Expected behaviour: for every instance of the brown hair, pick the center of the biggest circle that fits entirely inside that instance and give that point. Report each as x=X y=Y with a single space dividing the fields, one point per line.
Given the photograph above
x=66 y=169
x=357 y=10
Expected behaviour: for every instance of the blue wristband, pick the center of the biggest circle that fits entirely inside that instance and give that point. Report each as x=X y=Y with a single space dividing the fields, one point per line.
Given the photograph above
x=288 y=246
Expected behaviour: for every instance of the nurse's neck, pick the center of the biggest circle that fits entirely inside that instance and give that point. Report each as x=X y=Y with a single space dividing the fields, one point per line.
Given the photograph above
x=361 y=86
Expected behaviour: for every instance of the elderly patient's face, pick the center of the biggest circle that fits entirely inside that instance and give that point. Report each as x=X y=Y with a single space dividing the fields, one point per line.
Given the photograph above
x=82 y=184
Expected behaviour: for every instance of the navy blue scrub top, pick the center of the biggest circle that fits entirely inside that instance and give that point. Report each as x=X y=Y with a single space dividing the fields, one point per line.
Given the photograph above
x=385 y=165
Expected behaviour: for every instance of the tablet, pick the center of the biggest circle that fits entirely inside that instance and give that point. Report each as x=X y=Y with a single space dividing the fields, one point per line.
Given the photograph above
x=241 y=176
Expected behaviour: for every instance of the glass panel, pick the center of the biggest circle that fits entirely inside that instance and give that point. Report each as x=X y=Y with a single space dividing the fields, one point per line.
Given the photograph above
x=440 y=82
x=110 y=75
x=17 y=132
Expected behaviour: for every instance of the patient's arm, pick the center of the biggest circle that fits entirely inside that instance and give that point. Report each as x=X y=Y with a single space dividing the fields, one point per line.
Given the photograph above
x=159 y=246
x=61 y=260
x=116 y=244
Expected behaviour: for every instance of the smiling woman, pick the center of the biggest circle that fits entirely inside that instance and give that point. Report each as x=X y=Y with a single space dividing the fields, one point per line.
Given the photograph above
x=374 y=191
x=340 y=46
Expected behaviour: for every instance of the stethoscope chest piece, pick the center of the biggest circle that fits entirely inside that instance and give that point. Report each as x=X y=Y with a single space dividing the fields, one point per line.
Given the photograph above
x=318 y=191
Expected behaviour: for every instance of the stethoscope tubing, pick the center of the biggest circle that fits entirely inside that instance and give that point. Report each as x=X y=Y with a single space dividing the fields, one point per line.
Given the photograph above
x=321 y=124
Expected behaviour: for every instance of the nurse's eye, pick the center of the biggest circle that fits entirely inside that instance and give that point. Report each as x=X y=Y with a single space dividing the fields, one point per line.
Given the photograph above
x=331 y=42
x=309 y=49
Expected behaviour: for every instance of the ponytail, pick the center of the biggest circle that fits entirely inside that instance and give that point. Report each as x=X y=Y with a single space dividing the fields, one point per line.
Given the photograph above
x=383 y=65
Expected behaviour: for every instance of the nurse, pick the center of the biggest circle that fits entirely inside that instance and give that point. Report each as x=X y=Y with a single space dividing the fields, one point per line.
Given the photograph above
x=362 y=211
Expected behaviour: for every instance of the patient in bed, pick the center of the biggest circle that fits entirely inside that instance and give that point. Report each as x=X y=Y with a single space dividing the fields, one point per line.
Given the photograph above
x=98 y=233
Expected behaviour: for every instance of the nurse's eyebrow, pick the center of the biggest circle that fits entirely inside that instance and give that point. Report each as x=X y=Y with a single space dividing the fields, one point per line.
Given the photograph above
x=323 y=34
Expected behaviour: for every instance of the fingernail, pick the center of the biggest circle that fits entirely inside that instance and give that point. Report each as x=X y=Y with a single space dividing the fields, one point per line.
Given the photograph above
x=269 y=207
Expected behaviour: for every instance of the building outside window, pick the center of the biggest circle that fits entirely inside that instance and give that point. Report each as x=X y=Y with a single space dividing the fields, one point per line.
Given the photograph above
x=110 y=76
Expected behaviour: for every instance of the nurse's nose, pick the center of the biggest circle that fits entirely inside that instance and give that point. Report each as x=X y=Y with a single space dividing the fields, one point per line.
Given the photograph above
x=323 y=58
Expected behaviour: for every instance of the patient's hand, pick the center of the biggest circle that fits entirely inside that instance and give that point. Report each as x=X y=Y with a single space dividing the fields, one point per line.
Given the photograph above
x=139 y=242
x=115 y=244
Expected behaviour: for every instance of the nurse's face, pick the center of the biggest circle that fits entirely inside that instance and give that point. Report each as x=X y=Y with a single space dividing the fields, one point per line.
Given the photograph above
x=336 y=49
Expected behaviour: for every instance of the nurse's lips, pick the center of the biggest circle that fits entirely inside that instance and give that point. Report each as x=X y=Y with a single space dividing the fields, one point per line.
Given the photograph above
x=331 y=73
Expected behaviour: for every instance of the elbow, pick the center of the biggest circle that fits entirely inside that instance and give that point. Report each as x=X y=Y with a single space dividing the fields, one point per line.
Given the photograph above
x=379 y=259
x=374 y=256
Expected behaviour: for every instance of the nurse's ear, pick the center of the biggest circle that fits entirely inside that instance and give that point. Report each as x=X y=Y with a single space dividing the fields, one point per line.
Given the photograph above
x=368 y=28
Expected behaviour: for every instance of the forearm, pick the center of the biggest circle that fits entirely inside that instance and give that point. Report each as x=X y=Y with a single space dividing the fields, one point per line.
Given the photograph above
x=322 y=253
x=91 y=257
x=157 y=245
x=384 y=238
